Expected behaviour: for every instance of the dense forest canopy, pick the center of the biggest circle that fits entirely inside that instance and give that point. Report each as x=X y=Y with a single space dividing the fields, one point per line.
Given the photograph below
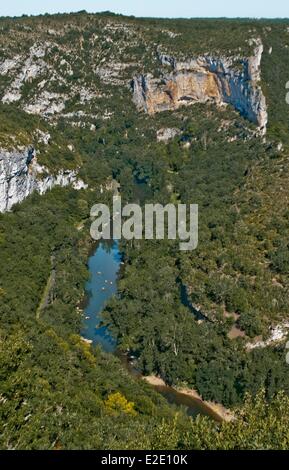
x=58 y=392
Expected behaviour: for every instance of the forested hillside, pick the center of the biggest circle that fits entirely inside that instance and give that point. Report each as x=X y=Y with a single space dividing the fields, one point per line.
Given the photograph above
x=203 y=319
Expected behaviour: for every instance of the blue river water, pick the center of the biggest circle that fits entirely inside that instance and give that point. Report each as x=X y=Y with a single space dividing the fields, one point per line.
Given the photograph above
x=104 y=265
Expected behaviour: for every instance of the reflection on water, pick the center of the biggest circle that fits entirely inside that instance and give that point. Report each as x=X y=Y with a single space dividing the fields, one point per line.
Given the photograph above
x=193 y=406
x=104 y=265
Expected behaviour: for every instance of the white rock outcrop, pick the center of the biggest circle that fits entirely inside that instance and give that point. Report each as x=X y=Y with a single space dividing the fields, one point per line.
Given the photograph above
x=206 y=79
x=33 y=66
x=167 y=133
x=21 y=175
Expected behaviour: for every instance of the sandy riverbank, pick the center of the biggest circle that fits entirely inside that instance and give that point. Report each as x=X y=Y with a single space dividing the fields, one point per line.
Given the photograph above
x=219 y=410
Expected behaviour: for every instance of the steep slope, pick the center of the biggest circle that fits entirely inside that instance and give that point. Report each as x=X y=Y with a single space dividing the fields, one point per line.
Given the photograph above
x=206 y=79
x=73 y=89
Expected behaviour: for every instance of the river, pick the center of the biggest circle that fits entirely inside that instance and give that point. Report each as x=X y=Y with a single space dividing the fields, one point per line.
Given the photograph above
x=104 y=265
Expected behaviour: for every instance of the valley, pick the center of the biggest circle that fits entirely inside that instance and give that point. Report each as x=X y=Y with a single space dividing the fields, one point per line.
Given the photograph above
x=166 y=111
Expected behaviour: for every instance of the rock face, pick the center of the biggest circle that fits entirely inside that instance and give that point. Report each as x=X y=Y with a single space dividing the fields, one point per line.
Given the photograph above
x=167 y=133
x=206 y=79
x=20 y=175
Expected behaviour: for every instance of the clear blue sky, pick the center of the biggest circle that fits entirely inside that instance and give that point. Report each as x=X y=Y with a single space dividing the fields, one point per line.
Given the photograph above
x=158 y=8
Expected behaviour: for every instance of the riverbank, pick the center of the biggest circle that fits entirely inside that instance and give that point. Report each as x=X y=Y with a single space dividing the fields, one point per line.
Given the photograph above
x=104 y=264
x=221 y=413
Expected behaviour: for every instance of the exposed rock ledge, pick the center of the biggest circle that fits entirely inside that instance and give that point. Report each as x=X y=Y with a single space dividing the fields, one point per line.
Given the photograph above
x=206 y=79
x=278 y=333
x=20 y=175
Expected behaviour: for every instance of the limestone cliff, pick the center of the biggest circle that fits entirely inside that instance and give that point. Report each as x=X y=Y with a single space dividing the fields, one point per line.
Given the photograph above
x=206 y=79
x=20 y=175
